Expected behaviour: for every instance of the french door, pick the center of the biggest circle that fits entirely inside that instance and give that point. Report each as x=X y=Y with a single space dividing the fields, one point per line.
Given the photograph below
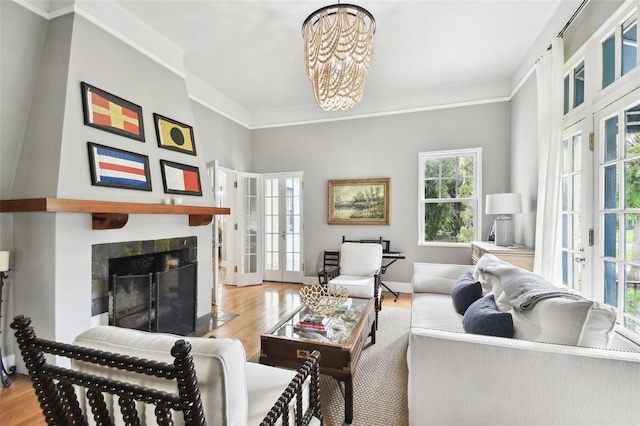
x=283 y=228
x=248 y=268
x=617 y=135
x=576 y=207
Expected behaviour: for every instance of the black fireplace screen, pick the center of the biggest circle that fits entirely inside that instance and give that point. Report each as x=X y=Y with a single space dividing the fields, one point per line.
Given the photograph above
x=162 y=302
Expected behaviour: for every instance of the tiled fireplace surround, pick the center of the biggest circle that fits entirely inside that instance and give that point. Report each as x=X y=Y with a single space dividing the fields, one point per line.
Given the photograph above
x=102 y=253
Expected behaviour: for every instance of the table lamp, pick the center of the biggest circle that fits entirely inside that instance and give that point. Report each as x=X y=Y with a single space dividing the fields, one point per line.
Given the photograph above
x=504 y=205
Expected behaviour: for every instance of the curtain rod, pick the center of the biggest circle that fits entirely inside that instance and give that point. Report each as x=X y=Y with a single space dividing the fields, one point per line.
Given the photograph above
x=569 y=22
x=573 y=17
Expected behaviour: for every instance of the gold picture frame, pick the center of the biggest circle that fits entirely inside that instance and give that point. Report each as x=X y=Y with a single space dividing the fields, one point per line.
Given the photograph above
x=359 y=201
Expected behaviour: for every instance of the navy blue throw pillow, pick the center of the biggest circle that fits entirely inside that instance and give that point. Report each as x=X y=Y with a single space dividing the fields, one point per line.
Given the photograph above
x=484 y=317
x=466 y=291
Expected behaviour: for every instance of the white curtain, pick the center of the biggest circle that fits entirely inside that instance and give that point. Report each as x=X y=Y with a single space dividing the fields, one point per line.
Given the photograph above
x=550 y=111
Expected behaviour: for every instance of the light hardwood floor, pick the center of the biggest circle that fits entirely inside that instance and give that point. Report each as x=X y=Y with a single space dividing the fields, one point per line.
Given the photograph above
x=258 y=309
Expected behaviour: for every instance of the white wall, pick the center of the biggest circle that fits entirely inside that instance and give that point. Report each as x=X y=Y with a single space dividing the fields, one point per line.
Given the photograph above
x=384 y=147
x=222 y=139
x=524 y=160
x=51 y=276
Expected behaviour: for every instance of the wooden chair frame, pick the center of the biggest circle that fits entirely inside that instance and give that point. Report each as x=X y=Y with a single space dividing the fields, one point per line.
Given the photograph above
x=56 y=386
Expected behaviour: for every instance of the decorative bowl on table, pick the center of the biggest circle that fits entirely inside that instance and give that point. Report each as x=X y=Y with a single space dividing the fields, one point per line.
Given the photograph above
x=324 y=300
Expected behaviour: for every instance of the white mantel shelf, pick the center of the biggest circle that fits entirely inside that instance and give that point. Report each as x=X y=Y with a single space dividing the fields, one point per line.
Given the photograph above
x=111 y=214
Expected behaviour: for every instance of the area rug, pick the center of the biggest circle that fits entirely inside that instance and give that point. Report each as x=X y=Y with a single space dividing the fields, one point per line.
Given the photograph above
x=380 y=382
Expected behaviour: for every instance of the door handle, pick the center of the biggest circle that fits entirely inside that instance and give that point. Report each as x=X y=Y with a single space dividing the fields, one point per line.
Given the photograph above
x=579 y=259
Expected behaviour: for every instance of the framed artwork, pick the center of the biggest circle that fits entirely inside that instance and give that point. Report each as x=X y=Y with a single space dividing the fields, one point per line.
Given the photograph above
x=110 y=113
x=359 y=201
x=180 y=178
x=174 y=135
x=118 y=168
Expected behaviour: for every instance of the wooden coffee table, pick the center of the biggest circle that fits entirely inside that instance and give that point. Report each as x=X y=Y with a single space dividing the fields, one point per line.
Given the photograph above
x=282 y=346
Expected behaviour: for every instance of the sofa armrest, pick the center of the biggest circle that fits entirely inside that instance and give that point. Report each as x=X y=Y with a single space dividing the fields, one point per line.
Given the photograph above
x=310 y=369
x=489 y=380
x=437 y=277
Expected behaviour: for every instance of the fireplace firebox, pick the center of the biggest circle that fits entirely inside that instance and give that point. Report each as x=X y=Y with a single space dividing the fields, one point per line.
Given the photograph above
x=147 y=285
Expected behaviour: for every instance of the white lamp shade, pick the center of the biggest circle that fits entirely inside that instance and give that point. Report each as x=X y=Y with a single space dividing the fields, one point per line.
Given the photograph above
x=4 y=261
x=508 y=203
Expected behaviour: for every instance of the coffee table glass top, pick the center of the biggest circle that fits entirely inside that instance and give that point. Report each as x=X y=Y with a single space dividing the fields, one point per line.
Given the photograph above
x=342 y=326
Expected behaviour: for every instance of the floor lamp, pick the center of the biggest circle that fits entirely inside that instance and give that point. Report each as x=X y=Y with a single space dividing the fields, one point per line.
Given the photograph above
x=4 y=268
x=504 y=205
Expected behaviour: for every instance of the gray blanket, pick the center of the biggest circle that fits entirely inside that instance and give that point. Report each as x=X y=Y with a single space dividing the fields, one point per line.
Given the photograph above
x=523 y=288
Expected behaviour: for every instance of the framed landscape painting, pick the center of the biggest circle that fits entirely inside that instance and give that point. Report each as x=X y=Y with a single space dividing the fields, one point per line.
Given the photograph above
x=359 y=201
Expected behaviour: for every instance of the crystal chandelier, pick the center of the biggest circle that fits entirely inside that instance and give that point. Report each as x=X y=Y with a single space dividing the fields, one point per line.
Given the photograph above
x=338 y=47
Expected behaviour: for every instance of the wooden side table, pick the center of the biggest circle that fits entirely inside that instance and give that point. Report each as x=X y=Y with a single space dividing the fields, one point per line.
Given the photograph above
x=516 y=255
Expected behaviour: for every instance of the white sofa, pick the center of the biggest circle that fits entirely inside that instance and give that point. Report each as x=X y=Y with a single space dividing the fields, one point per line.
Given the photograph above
x=461 y=378
x=233 y=391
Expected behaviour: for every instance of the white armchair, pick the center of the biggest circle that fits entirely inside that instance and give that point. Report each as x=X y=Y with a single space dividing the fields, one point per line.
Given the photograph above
x=214 y=382
x=359 y=271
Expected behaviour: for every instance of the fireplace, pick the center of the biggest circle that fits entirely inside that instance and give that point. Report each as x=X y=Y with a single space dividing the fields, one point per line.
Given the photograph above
x=147 y=285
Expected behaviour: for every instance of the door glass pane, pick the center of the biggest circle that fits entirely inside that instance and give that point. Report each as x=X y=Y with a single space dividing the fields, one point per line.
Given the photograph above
x=565 y=193
x=611 y=139
x=565 y=231
x=565 y=268
x=632 y=131
x=610 y=187
x=608 y=61
x=577 y=153
x=610 y=235
x=610 y=284
x=629 y=45
x=632 y=183
x=578 y=85
x=565 y=156
x=632 y=293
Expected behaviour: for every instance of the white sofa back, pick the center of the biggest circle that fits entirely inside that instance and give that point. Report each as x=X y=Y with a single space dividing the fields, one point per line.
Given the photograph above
x=219 y=364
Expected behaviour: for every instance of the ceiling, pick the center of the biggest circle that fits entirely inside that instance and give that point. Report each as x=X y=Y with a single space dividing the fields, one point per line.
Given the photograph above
x=251 y=52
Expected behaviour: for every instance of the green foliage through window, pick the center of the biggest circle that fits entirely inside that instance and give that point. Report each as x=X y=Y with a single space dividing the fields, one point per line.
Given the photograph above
x=449 y=196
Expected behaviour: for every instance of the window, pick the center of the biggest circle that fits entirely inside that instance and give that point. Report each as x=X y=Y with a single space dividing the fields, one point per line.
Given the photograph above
x=449 y=193
x=629 y=45
x=618 y=61
x=574 y=88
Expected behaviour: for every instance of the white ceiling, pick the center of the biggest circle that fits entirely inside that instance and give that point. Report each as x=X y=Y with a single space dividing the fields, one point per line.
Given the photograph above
x=252 y=52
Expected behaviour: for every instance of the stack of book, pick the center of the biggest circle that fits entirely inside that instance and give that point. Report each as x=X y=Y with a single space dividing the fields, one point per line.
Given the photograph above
x=315 y=323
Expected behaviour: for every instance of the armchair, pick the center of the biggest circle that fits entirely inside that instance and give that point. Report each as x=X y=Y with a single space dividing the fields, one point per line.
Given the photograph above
x=330 y=265
x=158 y=377
x=359 y=271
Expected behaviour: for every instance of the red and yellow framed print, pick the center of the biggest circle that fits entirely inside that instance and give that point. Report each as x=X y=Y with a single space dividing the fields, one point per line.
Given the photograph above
x=110 y=113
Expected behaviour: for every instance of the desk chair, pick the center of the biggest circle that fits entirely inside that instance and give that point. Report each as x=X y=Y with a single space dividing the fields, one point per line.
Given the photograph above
x=359 y=271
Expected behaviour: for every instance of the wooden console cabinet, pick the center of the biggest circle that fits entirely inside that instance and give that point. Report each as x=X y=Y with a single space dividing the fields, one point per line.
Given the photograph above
x=516 y=255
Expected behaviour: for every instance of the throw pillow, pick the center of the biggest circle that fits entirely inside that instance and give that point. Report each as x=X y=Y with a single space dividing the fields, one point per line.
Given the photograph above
x=466 y=291
x=484 y=317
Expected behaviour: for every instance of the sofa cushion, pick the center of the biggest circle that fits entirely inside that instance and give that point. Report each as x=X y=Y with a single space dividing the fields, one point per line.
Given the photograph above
x=466 y=291
x=432 y=284
x=358 y=286
x=264 y=386
x=219 y=364
x=484 y=317
x=568 y=322
x=435 y=311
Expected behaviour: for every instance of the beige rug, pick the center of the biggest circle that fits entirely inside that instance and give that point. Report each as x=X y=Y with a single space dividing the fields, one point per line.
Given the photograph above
x=380 y=382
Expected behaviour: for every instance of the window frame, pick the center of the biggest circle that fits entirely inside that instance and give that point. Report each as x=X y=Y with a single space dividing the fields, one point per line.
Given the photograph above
x=476 y=201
